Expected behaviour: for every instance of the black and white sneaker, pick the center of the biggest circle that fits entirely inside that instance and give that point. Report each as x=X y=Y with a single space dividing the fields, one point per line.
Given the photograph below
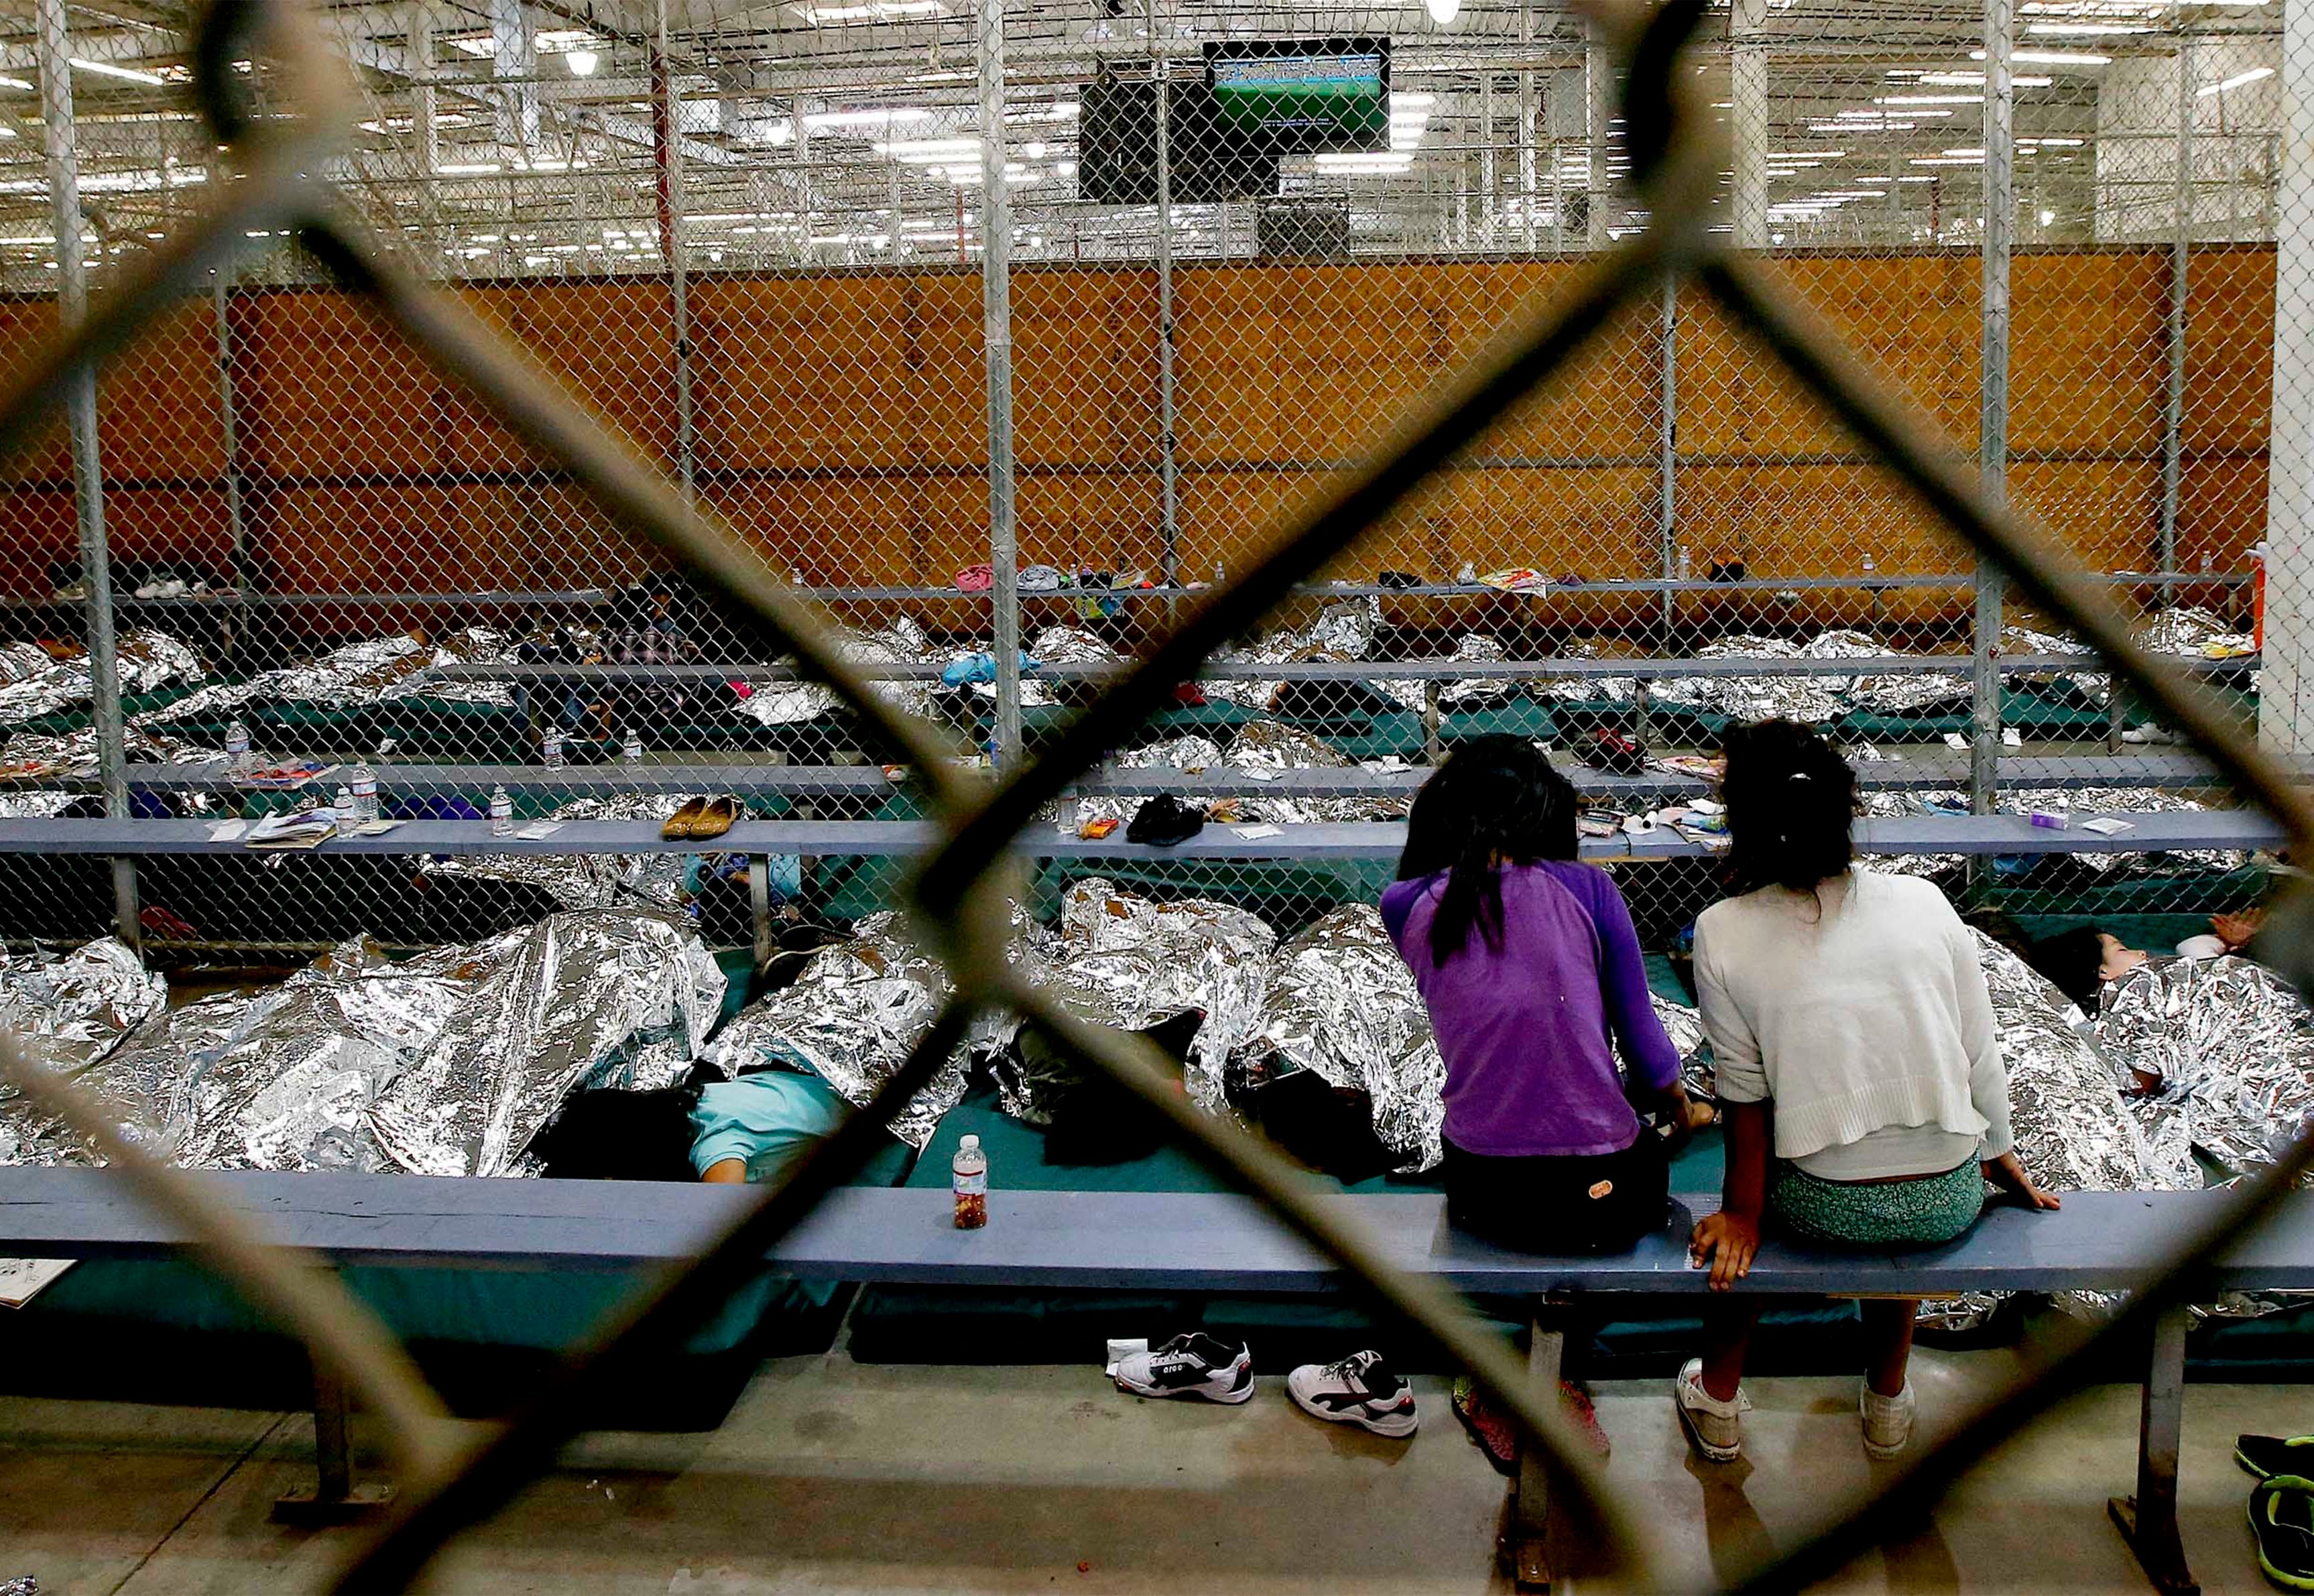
x=1190 y=1365
x=1357 y=1390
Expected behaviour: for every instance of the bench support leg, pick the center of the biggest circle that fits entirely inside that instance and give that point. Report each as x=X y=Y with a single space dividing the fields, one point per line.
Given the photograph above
x=333 y=1498
x=1433 y=749
x=1523 y=1550
x=759 y=906
x=2147 y=1520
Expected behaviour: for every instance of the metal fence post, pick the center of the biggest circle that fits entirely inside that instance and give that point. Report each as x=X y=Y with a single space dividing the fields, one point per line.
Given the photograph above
x=666 y=148
x=88 y=467
x=229 y=435
x=1160 y=67
x=2173 y=398
x=1993 y=406
x=1667 y=462
x=1599 y=96
x=996 y=306
x=1748 y=121
x=1526 y=138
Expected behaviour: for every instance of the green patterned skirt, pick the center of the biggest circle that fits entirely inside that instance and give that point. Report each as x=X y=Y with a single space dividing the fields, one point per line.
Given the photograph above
x=1923 y=1213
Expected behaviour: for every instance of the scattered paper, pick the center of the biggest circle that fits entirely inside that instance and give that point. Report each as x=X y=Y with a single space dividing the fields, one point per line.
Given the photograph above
x=537 y=829
x=2010 y=737
x=1261 y=775
x=2108 y=826
x=1956 y=740
x=23 y=1279
x=1255 y=834
x=377 y=828
x=226 y=831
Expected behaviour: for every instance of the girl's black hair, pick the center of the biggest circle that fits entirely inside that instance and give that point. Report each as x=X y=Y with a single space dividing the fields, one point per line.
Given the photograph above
x=1496 y=801
x=2072 y=960
x=1790 y=798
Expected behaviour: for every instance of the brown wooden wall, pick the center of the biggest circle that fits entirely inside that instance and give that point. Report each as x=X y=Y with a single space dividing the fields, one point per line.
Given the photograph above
x=839 y=424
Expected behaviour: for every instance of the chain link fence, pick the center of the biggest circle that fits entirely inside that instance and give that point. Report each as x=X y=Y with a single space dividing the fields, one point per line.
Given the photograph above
x=1009 y=341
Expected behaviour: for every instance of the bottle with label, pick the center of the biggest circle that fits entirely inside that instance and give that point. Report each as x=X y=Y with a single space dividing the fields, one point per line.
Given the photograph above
x=365 y=784
x=342 y=806
x=501 y=813
x=631 y=747
x=236 y=747
x=550 y=748
x=968 y=1177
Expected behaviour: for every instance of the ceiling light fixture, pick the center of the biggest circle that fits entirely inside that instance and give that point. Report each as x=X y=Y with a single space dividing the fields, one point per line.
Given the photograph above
x=2235 y=81
x=582 y=63
x=1443 y=12
x=108 y=70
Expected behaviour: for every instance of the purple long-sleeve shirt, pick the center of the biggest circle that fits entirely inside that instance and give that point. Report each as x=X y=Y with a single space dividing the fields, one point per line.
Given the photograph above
x=1528 y=1032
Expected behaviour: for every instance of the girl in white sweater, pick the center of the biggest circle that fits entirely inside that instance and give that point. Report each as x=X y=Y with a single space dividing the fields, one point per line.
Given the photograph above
x=1853 y=1036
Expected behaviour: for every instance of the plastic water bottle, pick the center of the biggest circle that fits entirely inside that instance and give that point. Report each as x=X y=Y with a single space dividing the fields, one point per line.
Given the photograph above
x=550 y=748
x=365 y=781
x=501 y=813
x=342 y=806
x=236 y=747
x=631 y=749
x=968 y=1177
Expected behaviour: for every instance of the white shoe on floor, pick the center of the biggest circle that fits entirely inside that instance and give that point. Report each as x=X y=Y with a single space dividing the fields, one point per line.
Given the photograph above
x=1357 y=1390
x=1888 y=1421
x=1713 y=1425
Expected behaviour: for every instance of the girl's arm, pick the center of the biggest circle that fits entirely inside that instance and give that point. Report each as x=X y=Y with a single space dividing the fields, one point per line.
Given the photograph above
x=1729 y=1239
x=1632 y=1014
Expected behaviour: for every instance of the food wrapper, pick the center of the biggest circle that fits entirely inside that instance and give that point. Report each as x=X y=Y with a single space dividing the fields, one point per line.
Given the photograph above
x=569 y=1002
x=2223 y=1043
x=1342 y=1004
x=147 y=659
x=1126 y=963
x=852 y=1017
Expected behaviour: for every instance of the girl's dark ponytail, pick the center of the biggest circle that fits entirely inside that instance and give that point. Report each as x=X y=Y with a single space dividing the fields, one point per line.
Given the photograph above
x=1791 y=801
x=1496 y=801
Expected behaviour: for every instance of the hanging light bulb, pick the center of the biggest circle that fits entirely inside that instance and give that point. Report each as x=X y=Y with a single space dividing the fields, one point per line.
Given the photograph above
x=1443 y=12
x=582 y=63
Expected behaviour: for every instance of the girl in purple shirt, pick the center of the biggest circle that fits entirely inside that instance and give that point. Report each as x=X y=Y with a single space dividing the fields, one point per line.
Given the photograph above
x=1533 y=977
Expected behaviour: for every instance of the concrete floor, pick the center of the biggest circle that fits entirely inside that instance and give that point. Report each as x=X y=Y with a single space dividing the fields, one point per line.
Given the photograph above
x=832 y=1476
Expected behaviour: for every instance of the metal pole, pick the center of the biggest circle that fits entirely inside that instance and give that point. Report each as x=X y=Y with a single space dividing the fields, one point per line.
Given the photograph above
x=1993 y=409
x=2173 y=399
x=1666 y=452
x=997 y=306
x=1748 y=129
x=418 y=61
x=1487 y=161
x=1599 y=97
x=803 y=206
x=666 y=147
x=88 y=469
x=229 y=429
x=1526 y=138
x=1160 y=67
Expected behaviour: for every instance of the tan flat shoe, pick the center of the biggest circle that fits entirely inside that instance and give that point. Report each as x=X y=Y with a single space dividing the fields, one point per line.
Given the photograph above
x=719 y=816
x=682 y=821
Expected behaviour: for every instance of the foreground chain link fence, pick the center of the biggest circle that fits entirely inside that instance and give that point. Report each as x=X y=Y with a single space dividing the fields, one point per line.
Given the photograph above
x=903 y=358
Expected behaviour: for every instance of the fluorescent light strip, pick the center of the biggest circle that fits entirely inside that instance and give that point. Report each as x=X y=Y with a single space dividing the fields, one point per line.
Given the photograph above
x=108 y=70
x=2051 y=57
x=2235 y=81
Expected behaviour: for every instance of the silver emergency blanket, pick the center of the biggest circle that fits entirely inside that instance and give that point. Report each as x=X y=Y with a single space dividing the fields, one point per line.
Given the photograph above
x=1809 y=700
x=591 y=880
x=1344 y=632
x=1685 y=1025
x=76 y=751
x=1342 y=1002
x=1615 y=690
x=290 y=1088
x=71 y=1011
x=147 y=659
x=573 y=1002
x=1888 y=694
x=2227 y=1044
x=72 y=1014
x=1060 y=645
x=144 y=1087
x=1126 y=963
x=1267 y=746
x=1886 y=804
x=369 y=672
x=2191 y=632
x=793 y=703
x=852 y=1019
x=1465 y=693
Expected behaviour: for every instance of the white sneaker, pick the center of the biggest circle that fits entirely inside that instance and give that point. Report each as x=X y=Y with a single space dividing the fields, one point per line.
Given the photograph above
x=1713 y=1425
x=1190 y=1365
x=2142 y=734
x=1888 y=1421
x=1357 y=1390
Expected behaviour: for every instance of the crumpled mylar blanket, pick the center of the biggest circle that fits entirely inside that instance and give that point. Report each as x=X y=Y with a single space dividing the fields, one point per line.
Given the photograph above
x=1613 y=690
x=71 y=1013
x=590 y=880
x=1342 y=1002
x=2083 y=802
x=292 y=1085
x=1809 y=700
x=147 y=659
x=1685 y=1025
x=2228 y=1043
x=1126 y=963
x=576 y=999
x=904 y=642
x=1889 y=694
x=366 y=673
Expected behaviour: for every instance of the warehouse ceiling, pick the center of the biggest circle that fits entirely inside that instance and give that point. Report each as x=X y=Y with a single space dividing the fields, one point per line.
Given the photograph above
x=511 y=139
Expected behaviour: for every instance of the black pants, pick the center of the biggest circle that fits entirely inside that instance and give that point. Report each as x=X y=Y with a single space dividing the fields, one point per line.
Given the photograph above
x=1560 y=1206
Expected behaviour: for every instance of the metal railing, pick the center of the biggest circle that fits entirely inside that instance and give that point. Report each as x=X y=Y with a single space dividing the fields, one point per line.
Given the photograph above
x=1675 y=160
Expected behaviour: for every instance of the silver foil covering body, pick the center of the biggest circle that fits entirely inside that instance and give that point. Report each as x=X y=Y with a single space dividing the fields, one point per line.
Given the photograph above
x=2223 y=1044
x=2087 y=801
x=852 y=1017
x=147 y=659
x=1342 y=1002
x=572 y=1001
x=71 y=1011
x=591 y=880
x=1811 y=700
x=1685 y=1025
x=1613 y=689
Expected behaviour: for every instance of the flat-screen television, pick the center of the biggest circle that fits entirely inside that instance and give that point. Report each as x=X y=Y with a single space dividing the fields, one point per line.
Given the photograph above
x=1305 y=95
x=1207 y=159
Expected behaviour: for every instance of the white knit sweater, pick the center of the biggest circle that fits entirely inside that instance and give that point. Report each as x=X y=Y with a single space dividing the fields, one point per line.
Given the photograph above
x=1857 y=1008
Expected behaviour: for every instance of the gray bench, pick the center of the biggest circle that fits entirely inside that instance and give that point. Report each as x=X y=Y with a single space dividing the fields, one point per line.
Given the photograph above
x=1189 y=1241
